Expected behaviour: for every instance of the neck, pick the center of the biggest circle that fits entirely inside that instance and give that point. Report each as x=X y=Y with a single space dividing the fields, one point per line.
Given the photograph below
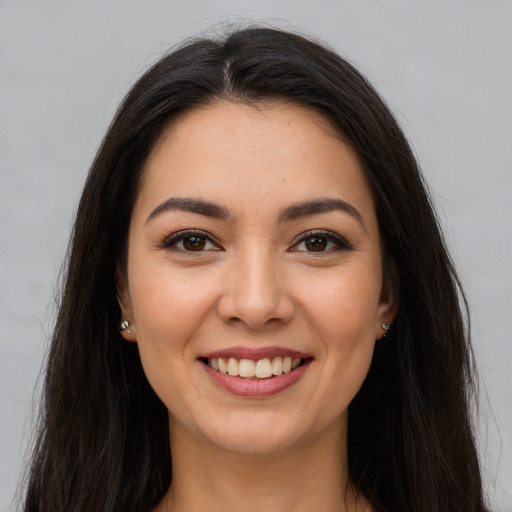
x=297 y=479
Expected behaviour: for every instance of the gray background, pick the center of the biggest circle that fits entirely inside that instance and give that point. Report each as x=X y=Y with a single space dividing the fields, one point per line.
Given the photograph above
x=445 y=68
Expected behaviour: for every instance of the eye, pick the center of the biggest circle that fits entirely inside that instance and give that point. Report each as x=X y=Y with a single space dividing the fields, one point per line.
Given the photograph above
x=321 y=242
x=190 y=241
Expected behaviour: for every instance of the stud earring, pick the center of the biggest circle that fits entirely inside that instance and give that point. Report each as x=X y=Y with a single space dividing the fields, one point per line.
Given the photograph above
x=386 y=328
x=124 y=325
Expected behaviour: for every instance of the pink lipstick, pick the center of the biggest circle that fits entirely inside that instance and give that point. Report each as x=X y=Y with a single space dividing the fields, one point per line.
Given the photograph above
x=255 y=372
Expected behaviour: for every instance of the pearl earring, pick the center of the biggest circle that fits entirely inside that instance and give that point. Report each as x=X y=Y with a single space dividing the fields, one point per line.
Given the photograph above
x=124 y=325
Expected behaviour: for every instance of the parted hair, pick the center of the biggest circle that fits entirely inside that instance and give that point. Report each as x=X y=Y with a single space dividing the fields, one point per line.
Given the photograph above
x=102 y=442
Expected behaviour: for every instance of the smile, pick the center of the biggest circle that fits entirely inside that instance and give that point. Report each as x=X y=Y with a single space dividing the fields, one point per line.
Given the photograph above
x=254 y=369
x=256 y=372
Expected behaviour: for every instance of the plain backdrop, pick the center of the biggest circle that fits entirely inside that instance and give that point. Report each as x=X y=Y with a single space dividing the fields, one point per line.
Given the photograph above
x=444 y=67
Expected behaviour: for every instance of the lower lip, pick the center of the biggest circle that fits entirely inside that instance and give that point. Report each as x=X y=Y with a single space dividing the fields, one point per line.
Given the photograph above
x=257 y=388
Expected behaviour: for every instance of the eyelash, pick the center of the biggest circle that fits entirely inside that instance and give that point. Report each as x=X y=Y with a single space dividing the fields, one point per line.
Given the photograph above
x=339 y=242
x=174 y=239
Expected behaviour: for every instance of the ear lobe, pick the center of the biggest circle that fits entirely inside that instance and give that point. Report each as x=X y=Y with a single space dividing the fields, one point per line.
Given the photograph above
x=123 y=298
x=388 y=308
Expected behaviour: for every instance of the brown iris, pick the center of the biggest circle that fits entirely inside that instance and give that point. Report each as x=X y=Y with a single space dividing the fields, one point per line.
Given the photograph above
x=316 y=243
x=194 y=243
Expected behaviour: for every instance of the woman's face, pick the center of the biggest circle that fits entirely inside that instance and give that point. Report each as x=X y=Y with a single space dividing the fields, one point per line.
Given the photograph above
x=254 y=245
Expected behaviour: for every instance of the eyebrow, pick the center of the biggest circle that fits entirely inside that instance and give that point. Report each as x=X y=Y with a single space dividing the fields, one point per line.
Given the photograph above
x=190 y=205
x=318 y=206
x=290 y=213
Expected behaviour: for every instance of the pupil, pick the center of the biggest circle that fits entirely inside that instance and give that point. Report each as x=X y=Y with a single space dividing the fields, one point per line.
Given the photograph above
x=317 y=243
x=194 y=243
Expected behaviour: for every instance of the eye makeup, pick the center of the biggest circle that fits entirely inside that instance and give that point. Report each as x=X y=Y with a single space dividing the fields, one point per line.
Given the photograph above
x=321 y=242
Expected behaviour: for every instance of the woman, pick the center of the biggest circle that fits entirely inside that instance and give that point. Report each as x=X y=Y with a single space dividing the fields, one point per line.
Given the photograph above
x=259 y=310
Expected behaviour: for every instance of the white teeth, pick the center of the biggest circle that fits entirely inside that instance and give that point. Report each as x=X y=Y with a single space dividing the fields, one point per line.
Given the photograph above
x=233 y=366
x=277 y=366
x=263 y=369
x=248 y=368
x=223 y=366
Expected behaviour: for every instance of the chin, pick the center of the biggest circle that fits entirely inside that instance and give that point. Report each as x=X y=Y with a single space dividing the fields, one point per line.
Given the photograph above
x=254 y=434
x=249 y=443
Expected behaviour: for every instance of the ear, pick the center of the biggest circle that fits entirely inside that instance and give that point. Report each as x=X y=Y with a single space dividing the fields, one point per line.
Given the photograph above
x=388 y=307
x=125 y=304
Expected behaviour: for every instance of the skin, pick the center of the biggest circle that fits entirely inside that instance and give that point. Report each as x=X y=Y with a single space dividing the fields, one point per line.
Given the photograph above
x=259 y=281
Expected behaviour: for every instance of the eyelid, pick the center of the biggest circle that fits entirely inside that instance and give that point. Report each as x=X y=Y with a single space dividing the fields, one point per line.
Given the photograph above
x=339 y=240
x=176 y=237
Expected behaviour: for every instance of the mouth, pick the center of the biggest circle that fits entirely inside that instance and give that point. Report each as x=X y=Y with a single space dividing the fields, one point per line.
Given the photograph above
x=265 y=368
x=256 y=373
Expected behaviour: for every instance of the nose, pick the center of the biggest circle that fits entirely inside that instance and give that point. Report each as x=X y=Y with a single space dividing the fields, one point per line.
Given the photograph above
x=255 y=293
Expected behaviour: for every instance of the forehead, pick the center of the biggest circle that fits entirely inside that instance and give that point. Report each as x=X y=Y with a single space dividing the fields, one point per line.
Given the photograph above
x=228 y=151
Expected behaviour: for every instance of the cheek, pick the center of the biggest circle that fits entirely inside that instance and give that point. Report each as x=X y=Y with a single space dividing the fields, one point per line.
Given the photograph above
x=344 y=306
x=342 y=312
x=169 y=311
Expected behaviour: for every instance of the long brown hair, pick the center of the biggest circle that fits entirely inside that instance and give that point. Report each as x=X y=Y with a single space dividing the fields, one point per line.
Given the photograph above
x=103 y=441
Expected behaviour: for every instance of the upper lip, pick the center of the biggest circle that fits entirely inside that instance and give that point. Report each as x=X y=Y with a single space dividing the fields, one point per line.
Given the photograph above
x=255 y=353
